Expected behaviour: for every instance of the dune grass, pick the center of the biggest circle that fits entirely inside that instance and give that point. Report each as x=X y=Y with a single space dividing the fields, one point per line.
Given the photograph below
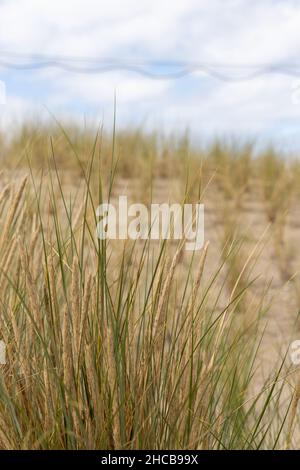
x=113 y=345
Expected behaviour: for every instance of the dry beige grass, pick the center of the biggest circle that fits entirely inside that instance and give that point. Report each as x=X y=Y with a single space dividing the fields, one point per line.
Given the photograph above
x=111 y=345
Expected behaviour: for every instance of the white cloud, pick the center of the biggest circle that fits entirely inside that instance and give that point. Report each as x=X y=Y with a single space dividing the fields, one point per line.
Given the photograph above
x=212 y=31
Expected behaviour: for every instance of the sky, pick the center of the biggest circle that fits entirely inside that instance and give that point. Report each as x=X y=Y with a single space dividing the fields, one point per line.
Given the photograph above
x=231 y=34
